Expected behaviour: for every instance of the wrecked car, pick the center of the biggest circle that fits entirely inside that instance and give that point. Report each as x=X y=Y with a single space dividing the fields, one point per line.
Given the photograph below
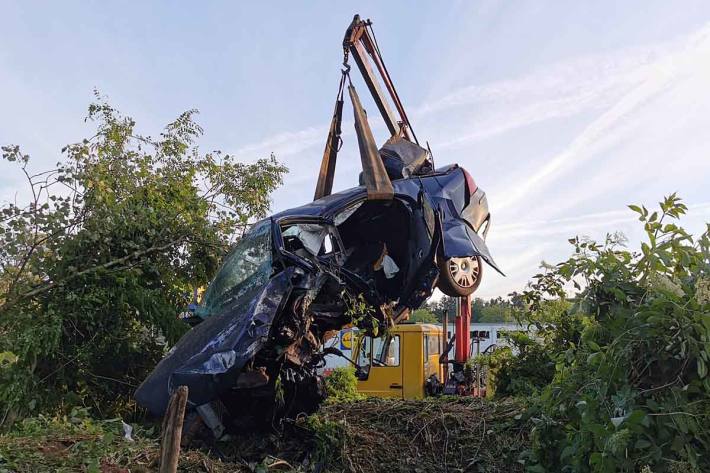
x=366 y=256
x=297 y=277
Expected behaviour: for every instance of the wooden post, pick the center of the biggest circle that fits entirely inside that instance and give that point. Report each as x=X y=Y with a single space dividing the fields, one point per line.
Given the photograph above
x=172 y=431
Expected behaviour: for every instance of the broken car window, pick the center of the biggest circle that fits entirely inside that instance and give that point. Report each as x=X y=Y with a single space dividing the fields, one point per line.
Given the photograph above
x=341 y=217
x=310 y=239
x=248 y=265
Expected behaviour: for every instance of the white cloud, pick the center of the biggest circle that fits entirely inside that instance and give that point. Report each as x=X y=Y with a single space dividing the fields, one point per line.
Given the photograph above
x=594 y=82
x=602 y=132
x=284 y=144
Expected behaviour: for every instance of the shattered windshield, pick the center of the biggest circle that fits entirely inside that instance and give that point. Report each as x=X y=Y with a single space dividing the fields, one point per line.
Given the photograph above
x=247 y=266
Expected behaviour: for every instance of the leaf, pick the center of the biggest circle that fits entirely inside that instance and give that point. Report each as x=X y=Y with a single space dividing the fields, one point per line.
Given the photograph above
x=637 y=417
x=702 y=368
x=595 y=459
x=642 y=443
x=636 y=209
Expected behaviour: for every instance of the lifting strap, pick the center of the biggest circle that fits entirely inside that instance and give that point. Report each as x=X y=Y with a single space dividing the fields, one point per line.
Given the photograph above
x=332 y=145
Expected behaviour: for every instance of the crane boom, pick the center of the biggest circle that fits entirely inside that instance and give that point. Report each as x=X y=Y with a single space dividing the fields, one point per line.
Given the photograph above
x=360 y=43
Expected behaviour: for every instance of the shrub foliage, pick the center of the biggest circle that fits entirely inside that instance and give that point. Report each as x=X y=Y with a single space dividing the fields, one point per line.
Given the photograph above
x=97 y=265
x=341 y=385
x=630 y=387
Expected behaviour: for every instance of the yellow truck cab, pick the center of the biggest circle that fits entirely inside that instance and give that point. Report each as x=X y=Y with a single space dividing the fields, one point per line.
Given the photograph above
x=398 y=364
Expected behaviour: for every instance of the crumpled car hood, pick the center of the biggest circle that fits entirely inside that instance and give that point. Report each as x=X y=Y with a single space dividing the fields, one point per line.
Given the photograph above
x=208 y=358
x=460 y=240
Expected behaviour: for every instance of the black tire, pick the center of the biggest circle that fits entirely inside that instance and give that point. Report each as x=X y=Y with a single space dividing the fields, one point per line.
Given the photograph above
x=460 y=277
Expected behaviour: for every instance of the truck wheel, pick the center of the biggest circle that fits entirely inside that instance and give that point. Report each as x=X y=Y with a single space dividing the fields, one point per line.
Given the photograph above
x=460 y=277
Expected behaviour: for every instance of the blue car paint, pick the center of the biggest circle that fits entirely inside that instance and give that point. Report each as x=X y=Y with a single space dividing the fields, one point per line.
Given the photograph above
x=209 y=358
x=446 y=191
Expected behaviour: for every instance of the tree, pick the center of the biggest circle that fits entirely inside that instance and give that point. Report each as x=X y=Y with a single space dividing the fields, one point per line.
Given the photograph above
x=95 y=268
x=445 y=304
x=423 y=315
x=485 y=311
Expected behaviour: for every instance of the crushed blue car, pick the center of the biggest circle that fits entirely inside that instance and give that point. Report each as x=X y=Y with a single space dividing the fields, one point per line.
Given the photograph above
x=285 y=287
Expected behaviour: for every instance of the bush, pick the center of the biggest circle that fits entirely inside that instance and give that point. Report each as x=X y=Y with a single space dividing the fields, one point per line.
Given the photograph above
x=522 y=370
x=97 y=266
x=528 y=365
x=633 y=391
x=341 y=386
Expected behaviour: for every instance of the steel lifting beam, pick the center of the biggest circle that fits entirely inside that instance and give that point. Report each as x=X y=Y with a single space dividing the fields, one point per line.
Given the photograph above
x=379 y=186
x=462 y=326
x=360 y=44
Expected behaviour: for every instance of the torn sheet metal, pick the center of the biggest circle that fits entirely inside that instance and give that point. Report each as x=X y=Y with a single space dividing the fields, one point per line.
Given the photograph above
x=460 y=240
x=208 y=358
x=403 y=159
x=273 y=304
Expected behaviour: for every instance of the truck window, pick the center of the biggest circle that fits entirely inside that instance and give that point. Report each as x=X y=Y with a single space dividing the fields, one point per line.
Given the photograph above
x=382 y=351
x=433 y=345
x=364 y=353
x=387 y=351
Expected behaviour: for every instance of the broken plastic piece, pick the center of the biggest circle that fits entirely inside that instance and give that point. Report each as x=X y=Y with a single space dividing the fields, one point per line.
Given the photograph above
x=389 y=267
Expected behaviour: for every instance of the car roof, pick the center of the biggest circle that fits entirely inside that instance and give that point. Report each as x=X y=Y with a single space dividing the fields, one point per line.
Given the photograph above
x=324 y=205
x=328 y=205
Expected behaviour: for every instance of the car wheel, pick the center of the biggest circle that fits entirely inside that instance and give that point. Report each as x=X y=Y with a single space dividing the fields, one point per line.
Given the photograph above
x=460 y=277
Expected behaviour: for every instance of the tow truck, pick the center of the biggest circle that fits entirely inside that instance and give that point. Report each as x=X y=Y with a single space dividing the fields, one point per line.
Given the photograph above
x=411 y=360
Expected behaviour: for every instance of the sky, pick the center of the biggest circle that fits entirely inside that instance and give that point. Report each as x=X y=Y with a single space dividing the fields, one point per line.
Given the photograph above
x=563 y=112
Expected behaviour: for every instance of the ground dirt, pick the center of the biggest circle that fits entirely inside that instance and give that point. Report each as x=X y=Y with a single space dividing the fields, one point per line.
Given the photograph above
x=372 y=435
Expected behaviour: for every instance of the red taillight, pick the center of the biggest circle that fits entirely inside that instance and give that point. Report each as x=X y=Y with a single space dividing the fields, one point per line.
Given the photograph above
x=470 y=183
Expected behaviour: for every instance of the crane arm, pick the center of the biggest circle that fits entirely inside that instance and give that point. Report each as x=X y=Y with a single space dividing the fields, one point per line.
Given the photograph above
x=361 y=44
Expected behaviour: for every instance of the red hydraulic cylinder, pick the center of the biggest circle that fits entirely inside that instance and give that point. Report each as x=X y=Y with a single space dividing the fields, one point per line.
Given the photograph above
x=462 y=326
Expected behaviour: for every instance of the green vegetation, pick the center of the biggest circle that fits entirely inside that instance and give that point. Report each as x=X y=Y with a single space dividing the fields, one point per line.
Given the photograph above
x=462 y=434
x=424 y=316
x=630 y=386
x=76 y=442
x=72 y=442
x=485 y=311
x=429 y=435
x=522 y=369
x=341 y=385
x=96 y=266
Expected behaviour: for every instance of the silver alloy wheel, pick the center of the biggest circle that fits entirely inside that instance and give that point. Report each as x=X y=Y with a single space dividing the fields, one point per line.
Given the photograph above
x=464 y=271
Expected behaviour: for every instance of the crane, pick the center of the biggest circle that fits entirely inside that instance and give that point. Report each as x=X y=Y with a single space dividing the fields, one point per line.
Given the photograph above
x=360 y=44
